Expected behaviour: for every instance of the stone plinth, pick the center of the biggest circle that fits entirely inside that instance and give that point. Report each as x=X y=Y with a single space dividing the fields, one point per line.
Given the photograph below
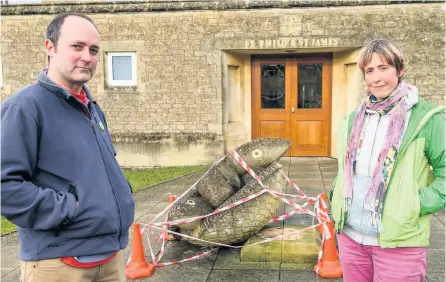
x=300 y=249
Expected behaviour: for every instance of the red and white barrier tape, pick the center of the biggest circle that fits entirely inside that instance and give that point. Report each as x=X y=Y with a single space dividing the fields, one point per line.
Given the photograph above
x=320 y=214
x=321 y=252
x=150 y=247
x=217 y=211
x=279 y=237
x=293 y=204
x=239 y=159
x=200 y=255
x=169 y=206
x=261 y=242
x=287 y=215
x=300 y=191
x=198 y=239
x=241 y=201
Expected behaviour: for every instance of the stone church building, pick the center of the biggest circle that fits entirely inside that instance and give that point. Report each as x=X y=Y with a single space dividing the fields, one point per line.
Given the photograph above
x=184 y=82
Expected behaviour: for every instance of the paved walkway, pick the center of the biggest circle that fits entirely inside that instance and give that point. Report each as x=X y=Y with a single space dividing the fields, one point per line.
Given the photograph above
x=313 y=175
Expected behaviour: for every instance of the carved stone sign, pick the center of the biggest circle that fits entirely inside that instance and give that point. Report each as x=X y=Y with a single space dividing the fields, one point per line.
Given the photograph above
x=291 y=25
x=296 y=42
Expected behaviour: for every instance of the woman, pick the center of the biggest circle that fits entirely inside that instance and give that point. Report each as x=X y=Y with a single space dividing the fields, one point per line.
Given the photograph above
x=383 y=197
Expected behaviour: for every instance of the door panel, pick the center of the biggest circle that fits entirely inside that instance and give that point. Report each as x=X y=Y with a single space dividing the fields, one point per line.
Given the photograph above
x=311 y=100
x=292 y=100
x=271 y=101
x=272 y=129
x=314 y=133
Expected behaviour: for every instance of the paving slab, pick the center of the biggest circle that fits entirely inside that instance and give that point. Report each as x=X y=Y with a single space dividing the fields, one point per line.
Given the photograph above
x=306 y=185
x=326 y=161
x=307 y=161
x=10 y=257
x=297 y=266
x=435 y=261
x=176 y=273
x=436 y=224
x=300 y=219
x=196 y=270
x=331 y=166
x=247 y=275
x=329 y=169
x=8 y=270
x=180 y=250
x=230 y=259
x=435 y=277
x=304 y=276
x=299 y=162
x=328 y=183
x=437 y=240
x=329 y=175
x=9 y=252
x=13 y=276
x=440 y=217
x=310 y=191
x=301 y=175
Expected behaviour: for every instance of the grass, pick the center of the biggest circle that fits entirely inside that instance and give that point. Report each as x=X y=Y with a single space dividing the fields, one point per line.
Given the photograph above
x=143 y=178
x=139 y=179
x=6 y=226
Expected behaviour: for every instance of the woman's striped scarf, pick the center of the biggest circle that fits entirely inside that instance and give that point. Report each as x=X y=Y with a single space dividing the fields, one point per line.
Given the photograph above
x=395 y=106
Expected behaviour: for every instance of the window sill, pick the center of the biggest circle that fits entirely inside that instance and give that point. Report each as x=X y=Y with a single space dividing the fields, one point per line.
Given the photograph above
x=133 y=88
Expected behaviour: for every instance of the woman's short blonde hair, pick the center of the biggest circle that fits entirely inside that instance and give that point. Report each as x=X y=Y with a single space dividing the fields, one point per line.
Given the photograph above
x=386 y=50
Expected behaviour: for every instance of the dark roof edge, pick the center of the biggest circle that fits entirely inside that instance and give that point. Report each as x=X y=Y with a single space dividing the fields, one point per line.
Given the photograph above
x=188 y=5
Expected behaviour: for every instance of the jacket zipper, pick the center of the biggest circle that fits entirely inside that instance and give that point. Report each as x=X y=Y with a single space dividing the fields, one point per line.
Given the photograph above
x=90 y=118
x=108 y=175
x=106 y=144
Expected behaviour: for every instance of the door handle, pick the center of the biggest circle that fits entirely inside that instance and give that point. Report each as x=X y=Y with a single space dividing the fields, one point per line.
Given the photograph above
x=292 y=110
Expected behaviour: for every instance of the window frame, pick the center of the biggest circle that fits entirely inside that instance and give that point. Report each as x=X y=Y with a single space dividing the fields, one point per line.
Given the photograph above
x=114 y=82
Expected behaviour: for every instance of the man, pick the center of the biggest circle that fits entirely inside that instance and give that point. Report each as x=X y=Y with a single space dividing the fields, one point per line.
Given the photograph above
x=61 y=184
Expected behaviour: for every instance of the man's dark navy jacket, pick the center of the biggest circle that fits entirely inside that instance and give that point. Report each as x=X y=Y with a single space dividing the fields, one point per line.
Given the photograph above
x=56 y=151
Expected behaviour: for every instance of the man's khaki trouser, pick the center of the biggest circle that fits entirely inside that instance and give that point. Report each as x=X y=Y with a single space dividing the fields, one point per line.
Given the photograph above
x=53 y=270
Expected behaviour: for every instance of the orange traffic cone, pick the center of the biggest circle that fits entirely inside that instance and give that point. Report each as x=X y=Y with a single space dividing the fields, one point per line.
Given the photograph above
x=138 y=266
x=329 y=266
x=324 y=208
x=172 y=198
x=167 y=236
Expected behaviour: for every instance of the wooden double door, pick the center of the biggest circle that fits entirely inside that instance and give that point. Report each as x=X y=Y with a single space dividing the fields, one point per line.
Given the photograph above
x=291 y=99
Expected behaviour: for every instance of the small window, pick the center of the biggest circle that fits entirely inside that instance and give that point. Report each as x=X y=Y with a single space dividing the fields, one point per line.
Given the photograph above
x=122 y=69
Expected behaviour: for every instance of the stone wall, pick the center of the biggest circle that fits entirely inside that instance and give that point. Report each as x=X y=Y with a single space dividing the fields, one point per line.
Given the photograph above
x=180 y=45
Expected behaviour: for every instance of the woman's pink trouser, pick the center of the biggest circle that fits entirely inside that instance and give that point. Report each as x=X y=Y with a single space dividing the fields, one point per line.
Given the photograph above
x=372 y=263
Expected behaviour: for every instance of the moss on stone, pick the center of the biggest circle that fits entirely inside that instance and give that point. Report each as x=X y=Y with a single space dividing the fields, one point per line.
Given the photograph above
x=179 y=138
x=293 y=249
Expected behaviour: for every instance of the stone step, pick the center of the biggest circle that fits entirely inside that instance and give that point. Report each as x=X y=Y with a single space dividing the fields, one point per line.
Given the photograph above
x=301 y=249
